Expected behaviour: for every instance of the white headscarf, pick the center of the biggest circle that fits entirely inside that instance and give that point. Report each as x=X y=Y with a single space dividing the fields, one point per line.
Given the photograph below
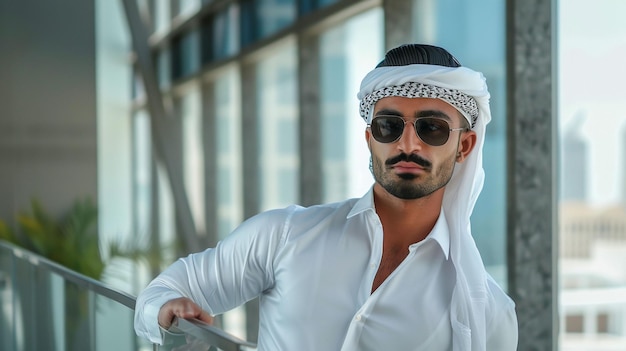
x=464 y=187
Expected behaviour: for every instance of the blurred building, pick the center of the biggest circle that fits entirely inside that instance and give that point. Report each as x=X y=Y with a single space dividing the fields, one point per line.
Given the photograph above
x=593 y=277
x=592 y=245
x=583 y=227
x=574 y=161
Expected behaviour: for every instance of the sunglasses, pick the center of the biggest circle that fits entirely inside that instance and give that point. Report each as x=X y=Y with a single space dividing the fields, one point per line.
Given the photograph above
x=431 y=130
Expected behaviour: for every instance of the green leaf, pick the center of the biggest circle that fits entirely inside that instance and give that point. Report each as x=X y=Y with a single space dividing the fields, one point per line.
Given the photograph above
x=7 y=234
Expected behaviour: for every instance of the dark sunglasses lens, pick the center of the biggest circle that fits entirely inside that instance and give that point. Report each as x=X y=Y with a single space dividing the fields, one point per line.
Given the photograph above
x=387 y=129
x=433 y=131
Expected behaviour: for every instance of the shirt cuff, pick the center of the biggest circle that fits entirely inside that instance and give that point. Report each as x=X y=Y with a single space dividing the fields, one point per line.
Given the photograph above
x=151 y=316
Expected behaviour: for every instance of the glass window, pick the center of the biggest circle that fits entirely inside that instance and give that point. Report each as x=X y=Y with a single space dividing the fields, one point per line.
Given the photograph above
x=224 y=182
x=143 y=197
x=285 y=186
x=602 y=322
x=306 y=6
x=137 y=88
x=228 y=143
x=474 y=32
x=262 y=18
x=163 y=66
x=142 y=185
x=115 y=148
x=220 y=34
x=186 y=7
x=229 y=205
x=574 y=323
x=193 y=153
x=343 y=64
x=185 y=54
x=166 y=220
x=286 y=127
x=592 y=194
x=278 y=133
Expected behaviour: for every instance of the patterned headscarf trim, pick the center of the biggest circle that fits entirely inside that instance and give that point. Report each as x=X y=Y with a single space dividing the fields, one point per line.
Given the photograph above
x=462 y=102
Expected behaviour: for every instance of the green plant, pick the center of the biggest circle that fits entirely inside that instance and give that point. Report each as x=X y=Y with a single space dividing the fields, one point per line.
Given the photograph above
x=71 y=241
x=143 y=251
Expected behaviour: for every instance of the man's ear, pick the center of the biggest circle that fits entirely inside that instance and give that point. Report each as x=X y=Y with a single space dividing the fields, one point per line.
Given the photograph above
x=466 y=145
x=368 y=138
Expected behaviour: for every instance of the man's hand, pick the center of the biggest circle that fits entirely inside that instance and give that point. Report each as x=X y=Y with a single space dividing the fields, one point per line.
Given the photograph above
x=181 y=307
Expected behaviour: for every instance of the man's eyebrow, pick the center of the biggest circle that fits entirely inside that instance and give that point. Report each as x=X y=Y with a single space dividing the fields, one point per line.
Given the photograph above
x=388 y=112
x=433 y=113
x=423 y=113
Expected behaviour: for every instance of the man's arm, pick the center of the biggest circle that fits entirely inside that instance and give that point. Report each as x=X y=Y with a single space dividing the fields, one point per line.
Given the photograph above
x=216 y=280
x=161 y=301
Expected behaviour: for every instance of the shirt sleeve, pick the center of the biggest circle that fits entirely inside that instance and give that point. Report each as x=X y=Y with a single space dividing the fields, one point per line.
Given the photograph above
x=502 y=329
x=218 y=279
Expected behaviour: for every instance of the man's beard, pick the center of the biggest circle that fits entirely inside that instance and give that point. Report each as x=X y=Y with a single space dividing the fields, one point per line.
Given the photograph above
x=406 y=188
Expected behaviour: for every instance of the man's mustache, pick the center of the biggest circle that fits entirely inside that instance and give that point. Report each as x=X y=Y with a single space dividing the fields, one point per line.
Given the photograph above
x=409 y=158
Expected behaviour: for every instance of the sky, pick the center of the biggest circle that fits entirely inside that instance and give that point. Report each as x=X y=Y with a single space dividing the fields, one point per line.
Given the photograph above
x=592 y=82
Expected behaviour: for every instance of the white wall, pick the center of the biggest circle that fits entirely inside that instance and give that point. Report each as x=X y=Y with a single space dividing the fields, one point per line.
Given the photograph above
x=47 y=104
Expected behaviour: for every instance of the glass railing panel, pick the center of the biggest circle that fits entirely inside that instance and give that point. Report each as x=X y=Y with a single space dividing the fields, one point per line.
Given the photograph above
x=79 y=317
x=44 y=306
x=56 y=306
x=7 y=341
x=29 y=304
x=114 y=326
x=26 y=281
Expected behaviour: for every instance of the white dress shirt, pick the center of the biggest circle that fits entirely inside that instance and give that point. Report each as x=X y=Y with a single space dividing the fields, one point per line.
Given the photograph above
x=313 y=269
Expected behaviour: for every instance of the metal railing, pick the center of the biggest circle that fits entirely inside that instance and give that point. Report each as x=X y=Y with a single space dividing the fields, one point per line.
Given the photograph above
x=46 y=306
x=204 y=336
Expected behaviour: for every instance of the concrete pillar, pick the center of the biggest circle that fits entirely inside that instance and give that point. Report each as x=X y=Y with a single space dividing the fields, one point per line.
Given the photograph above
x=310 y=129
x=398 y=22
x=532 y=217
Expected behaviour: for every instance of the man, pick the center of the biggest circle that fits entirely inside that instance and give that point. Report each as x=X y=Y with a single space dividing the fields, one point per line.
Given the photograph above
x=394 y=270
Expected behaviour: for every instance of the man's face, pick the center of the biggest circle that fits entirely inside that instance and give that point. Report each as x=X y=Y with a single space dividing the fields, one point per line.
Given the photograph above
x=409 y=168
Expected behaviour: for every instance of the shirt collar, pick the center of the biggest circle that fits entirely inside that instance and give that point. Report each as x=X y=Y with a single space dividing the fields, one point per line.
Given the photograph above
x=440 y=232
x=363 y=204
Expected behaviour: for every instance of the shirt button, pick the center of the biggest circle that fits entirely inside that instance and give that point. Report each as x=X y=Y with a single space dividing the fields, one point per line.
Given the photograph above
x=372 y=265
x=358 y=318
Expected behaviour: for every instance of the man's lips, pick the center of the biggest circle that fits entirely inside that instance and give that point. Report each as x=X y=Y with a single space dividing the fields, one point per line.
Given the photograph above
x=407 y=167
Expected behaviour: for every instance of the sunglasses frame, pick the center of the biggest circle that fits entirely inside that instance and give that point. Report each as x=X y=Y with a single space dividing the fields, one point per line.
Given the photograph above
x=414 y=122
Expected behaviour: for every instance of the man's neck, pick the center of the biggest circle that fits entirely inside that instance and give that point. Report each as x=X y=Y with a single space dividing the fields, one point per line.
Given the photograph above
x=407 y=221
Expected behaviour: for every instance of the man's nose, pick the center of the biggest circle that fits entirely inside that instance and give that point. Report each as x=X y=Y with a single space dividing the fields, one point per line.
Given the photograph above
x=409 y=141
